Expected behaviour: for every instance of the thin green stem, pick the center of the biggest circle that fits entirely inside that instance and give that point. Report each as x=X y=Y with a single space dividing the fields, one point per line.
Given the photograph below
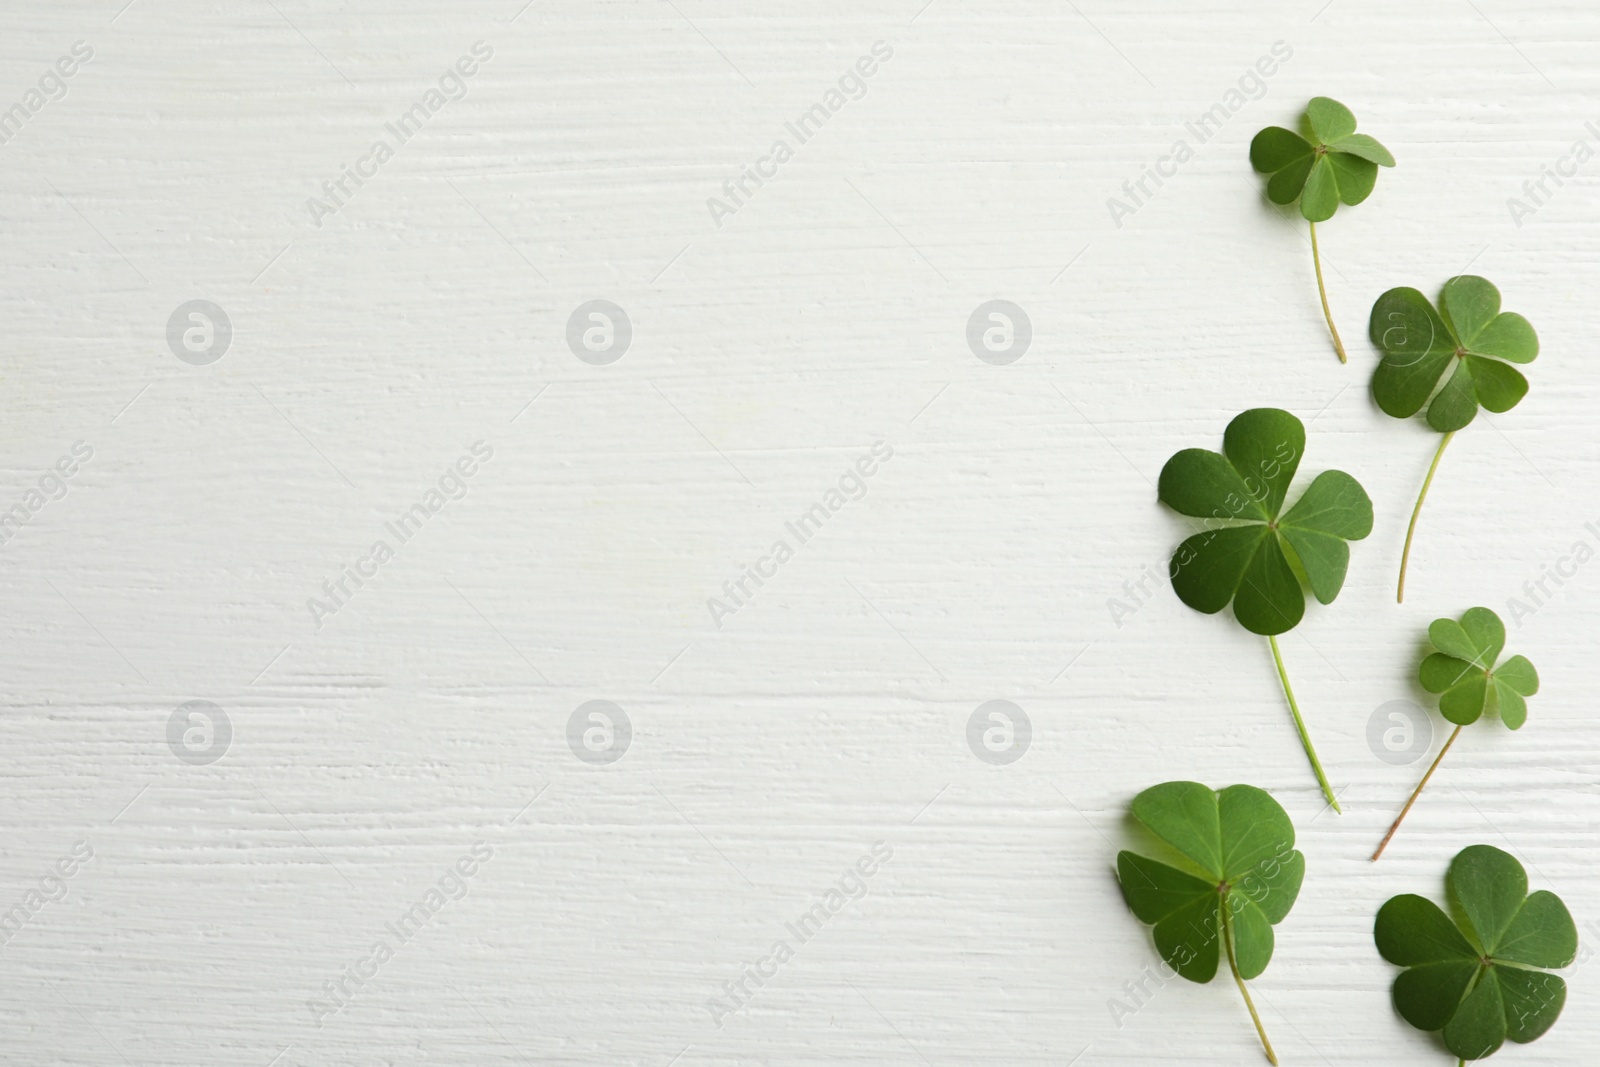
x=1415 y=794
x=1322 y=291
x=1300 y=725
x=1405 y=555
x=1233 y=965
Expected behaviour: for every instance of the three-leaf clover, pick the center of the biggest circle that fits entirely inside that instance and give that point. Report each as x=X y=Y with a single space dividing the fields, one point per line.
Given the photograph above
x=1464 y=672
x=1253 y=553
x=1467 y=674
x=1460 y=356
x=1478 y=977
x=1329 y=164
x=1236 y=875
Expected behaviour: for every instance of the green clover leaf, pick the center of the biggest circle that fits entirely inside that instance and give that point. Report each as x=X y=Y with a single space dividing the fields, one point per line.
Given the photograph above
x=1329 y=164
x=1236 y=876
x=1481 y=977
x=1254 y=554
x=1460 y=355
x=1325 y=164
x=1465 y=670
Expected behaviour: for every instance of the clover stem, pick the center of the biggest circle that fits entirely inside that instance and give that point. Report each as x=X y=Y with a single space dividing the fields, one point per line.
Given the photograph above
x=1233 y=965
x=1322 y=291
x=1300 y=725
x=1405 y=555
x=1414 y=795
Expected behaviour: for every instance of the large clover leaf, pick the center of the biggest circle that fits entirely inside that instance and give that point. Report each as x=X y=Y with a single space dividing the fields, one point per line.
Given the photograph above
x=1467 y=345
x=1479 y=978
x=1464 y=673
x=1253 y=553
x=1236 y=875
x=1329 y=164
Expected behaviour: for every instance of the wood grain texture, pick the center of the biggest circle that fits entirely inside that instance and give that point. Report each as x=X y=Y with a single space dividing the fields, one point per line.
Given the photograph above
x=768 y=754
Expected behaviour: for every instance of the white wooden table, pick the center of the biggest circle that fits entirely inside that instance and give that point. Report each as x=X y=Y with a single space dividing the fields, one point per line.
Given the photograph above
x=362 y=740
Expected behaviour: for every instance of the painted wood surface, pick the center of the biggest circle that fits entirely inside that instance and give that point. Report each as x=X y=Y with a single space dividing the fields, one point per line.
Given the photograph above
x=388 y=754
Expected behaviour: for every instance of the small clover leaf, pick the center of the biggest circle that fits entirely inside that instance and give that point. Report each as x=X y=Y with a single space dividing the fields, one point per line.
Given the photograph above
x=1481 y=977
x=1459 y=355
x=1236 y=876
x=1253 y=553
x=1325 y=164
x=1465 y=670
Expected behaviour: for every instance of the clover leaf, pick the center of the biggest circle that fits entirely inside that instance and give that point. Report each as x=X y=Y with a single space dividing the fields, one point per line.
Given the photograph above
x=1467 y=345
x=1459 y=355
x=1330 y=163
x=1253 y=553
x=1482 y=976
x=1466 y=673
x=1236 y=876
